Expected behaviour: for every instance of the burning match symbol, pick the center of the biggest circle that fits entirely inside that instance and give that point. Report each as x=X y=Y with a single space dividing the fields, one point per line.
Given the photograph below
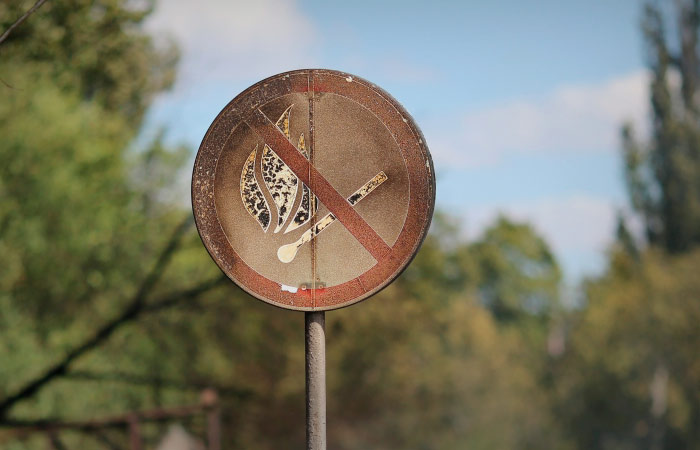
x=288 y=252
x=283 y=186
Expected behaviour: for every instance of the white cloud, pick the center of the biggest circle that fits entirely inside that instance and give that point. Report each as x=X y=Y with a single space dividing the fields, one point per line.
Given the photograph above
x=234 y=40
x=569 y=119
x=578 y=227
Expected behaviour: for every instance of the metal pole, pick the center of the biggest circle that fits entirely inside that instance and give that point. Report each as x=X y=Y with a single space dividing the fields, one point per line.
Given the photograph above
x=315 y=381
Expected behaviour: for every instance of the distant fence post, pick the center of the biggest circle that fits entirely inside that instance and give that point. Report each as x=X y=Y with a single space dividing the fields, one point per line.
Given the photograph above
x=53 y=442
x=210 y=401
x=135 y=442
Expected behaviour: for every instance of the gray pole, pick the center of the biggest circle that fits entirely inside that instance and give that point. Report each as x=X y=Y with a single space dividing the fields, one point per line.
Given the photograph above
x=316 y=381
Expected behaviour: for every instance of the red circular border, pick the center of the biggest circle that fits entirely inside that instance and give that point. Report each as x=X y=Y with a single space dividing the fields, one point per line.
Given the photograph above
x=414 y=150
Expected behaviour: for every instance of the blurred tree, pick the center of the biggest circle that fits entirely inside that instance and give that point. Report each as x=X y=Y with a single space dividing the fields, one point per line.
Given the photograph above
x=663 y=175
x=631 y=376
x=79 y=236
x=425 y=365
x=422 y=365
x=518 y=274
x=444 y=266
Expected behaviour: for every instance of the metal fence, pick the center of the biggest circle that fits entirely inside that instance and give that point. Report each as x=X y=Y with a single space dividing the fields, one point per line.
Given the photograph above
x=129 y=423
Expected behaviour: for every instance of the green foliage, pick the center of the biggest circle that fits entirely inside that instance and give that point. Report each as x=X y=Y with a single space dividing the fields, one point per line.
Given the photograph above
x=64 y=200
x=517 y=271
x=631 y=378
x=435 y=373
x=95 y=48
x=78 y=233
x=663 y=175
x=630 y=375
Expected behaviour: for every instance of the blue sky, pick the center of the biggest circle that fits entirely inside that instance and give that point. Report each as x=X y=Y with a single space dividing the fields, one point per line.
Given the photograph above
x=520 y=102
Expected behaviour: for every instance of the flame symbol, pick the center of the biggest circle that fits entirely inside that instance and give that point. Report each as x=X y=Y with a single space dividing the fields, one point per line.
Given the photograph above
x=280 y=182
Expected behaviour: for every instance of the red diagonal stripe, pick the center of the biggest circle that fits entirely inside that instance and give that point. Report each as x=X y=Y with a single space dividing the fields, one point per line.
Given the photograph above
x=325 y=192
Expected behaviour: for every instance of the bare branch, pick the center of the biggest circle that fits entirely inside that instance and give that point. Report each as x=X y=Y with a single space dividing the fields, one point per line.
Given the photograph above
x=133 y=309
x=177 y=297
x=8 y=85
x=24 y=16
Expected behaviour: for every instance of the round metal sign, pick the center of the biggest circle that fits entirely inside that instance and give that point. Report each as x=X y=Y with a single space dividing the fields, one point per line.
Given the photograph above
x=313 y=189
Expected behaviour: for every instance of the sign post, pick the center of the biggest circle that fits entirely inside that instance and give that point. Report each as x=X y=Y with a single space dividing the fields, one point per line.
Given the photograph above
x=313 y=190
x=315 y=380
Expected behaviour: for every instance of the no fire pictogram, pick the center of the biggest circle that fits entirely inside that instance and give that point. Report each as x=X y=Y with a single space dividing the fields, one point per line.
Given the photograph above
x=313 y=189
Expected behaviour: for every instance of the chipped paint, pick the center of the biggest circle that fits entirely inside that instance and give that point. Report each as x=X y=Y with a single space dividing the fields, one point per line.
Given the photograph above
x=367 y=188
x=281 y=183
x=287 y=253
x=253 y=198
x=291 y=289
x=279 y=179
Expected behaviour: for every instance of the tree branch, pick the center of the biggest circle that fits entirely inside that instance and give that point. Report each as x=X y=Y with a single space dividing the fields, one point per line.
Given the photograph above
x=133 y=309
x=8 y=85
x=190 y=294
x=24 y=17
